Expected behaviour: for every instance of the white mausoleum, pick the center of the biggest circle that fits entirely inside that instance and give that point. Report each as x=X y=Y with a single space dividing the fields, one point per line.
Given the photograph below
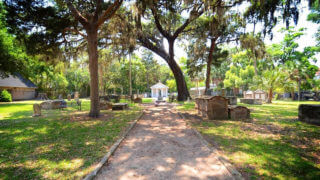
x=159 y=89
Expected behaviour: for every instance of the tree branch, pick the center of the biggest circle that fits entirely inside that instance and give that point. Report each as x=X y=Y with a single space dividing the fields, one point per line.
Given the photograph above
x=159 y=27
x=76 y=31
x=77 y=15
x=109 y=12
x=185 y=24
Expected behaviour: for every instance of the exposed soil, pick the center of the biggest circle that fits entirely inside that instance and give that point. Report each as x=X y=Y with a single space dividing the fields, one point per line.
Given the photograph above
x=162 y=146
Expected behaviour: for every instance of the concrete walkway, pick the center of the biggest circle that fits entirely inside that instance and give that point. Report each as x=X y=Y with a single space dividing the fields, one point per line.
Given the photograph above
x=161 y=146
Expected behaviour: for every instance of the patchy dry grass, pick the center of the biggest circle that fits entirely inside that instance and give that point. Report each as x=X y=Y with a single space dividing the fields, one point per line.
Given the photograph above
x=274 y=145
x=62 y=144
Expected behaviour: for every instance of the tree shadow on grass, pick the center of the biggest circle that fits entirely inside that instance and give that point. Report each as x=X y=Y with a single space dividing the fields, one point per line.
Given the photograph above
x=274 y=157
x=62 y=148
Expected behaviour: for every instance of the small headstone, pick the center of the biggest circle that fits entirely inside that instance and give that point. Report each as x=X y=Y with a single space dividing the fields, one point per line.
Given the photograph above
x=36 y=110
x=137 y=100
x=232 y=100
x=78 y=101
x=105 y=105
x=60 y=97
x=69 y=97
x=76 y=95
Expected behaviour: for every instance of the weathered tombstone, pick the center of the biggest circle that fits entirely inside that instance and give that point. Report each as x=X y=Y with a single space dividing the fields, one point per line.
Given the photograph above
x=76 y=95
x=36 y=110
x=46 y=105
x=223 y=92
x=119 y=106
x=172 y=98
x=251 y=101
x=218 y=108
x=78 y=101
x=56 y=104
x=137 y=100
x=309 y=113
x=232 y=100
x=69 y=97
x=60 y=97
x=214 y=108
x=105 y=105
x=238 y=112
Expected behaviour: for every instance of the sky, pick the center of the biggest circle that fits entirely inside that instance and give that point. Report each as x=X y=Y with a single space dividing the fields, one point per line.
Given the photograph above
x=307 y=39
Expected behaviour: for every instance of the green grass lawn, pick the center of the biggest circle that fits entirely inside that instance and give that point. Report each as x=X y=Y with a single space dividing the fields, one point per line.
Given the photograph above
x=274 y=145
x=61 y=144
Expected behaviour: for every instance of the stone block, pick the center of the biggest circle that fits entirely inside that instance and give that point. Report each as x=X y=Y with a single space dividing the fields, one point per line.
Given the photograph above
x=232 y=100
x=36 y=110
x=137 y=100
x=309 y=113
x=120 y=106
x=251 y=101
x=55 y=104
x=105 y=105
x=213 y=107
x=238 y=112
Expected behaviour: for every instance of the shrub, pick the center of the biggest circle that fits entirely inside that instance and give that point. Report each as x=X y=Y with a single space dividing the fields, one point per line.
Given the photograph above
x=5 y=96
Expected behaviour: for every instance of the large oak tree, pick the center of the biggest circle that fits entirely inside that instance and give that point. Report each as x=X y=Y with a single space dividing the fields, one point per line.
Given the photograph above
x=91 y=19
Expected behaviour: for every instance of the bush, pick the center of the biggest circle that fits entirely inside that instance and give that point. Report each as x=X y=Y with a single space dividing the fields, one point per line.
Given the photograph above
x=5 y=96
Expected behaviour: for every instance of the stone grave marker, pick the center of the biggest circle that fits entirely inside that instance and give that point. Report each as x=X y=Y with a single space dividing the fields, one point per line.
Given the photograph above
x=239 y=112
x=36 y=110
x=309 y=113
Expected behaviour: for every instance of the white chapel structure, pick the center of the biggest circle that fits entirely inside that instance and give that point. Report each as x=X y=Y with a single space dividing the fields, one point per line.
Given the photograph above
x=158 y=90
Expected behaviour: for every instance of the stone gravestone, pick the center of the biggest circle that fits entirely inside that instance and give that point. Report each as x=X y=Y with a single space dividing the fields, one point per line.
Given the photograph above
x=239 y=112
x=56 y=104
x=76 y=95
x=60 y=97
x=36 y=110
x=217 y=108
x=69 y=97
x=137 y=100
x=309 y=113
x=214 y=108
x=105 y=105
x=232 y=100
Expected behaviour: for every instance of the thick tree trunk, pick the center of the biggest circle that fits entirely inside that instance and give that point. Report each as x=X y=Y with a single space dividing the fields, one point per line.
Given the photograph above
x=209 y=62
x=183 y=92
x=270 y=94
x=182 y=89
x=93 y=68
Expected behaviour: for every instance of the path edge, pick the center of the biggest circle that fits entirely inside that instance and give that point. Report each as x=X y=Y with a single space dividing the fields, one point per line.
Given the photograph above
x=113 y=148
x=237 y=175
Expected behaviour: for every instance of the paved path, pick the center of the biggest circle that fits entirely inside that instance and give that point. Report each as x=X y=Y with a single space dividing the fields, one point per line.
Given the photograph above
x=161 y=146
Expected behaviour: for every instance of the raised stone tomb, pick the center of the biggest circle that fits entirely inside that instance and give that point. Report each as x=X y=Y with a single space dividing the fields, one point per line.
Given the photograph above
x=251 y=101
x=53 y=104
x=239 y=112
x=309 y=113
x=120 y=106
x=212 y=107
